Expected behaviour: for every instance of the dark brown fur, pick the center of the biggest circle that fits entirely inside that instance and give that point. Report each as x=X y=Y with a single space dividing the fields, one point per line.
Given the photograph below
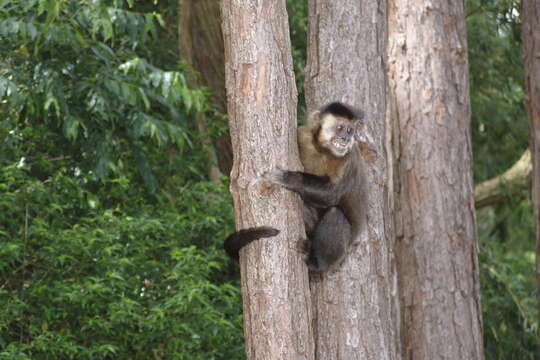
x=345 y=219
x=331 y=186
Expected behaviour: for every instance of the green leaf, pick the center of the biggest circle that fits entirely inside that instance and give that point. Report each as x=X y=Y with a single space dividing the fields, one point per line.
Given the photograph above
x=71 y=127
x=145 y=99
x=32 y=31
x=51 y=100
x=159 y=19
x=107 y=26
x=52 y=8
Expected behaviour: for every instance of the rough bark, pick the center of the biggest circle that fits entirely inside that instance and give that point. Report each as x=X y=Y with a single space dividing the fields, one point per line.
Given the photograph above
x=201 y=45
x=435 y=215
x=509 y=183
x=262 y=113
x=355 y=307
x=531 y=50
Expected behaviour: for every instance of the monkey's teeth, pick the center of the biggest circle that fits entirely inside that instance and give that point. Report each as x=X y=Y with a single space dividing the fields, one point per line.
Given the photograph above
x=339 y=144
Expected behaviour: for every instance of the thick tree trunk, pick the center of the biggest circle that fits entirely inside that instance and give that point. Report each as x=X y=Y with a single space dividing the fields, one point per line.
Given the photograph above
x=201 y=45
x=435 y=216
x=531 y=50
x=355 y=307
x=262 y=113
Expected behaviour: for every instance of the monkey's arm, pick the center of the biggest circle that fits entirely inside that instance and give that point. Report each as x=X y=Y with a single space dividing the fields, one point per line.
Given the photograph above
x=315 y=190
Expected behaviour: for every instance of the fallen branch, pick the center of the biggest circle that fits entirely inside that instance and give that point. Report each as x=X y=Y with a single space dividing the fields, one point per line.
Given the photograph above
x=508 y=183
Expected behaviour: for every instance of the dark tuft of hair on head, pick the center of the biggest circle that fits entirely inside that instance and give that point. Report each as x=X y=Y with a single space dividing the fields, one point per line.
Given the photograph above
x=340 y=109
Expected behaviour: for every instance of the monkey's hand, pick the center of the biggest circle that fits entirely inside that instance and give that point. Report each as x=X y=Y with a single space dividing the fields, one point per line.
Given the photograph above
x=276 y=176
x=315 y=190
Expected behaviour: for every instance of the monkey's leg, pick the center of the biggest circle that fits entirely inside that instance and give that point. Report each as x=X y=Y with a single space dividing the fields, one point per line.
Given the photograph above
x=330 y=241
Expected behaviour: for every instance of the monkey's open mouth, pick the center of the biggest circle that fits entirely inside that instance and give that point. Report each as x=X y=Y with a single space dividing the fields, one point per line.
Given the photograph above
x=339 y=144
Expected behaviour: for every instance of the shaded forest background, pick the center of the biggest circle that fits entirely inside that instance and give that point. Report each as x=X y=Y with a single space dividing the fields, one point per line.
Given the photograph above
x=110 y=229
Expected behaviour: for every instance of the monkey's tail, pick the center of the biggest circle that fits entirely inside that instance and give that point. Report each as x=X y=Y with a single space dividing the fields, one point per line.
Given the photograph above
x=241 y=238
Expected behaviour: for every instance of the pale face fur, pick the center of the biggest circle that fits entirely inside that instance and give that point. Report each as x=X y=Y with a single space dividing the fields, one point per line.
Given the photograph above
x=336 y=135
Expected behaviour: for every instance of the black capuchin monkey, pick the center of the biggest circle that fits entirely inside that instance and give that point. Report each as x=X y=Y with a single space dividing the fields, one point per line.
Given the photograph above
x=331 y=187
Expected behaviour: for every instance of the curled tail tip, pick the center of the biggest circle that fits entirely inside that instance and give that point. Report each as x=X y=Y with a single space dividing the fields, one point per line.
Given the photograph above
x=267 y=231
x=275 y=232
x=241 y=238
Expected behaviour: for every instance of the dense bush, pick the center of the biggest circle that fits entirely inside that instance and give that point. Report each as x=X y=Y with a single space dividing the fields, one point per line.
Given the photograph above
x=111 y=238
x=80 y=281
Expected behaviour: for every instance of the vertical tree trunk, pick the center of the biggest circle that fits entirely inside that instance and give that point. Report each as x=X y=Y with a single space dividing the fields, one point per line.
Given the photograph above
x=201 y=45
x=531 y=51
x=355 y=307
x=262 y=111
x=435 y=218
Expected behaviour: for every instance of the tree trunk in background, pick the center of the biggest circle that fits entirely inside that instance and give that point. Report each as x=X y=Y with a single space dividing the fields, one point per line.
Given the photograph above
x=435 y=216
x=355 y=308
x=262 y=113
x=531 y=51
x=201 y=45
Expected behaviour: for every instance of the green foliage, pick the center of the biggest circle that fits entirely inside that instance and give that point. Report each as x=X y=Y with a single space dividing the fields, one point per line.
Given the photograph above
x=80 y=281
x=80 y=68
x=499 y=127
x=111 y=239
x=298 y=27
x=508 y=295
x=499 y=121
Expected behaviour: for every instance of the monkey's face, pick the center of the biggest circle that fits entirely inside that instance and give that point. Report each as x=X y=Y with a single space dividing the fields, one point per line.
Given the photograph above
x=337 y=135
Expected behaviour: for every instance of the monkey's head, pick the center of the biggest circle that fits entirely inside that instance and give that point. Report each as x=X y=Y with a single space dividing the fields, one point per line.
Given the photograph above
x=339 y=124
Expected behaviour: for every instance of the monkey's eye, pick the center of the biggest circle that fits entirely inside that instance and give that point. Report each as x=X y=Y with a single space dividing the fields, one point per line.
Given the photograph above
x=340 y=127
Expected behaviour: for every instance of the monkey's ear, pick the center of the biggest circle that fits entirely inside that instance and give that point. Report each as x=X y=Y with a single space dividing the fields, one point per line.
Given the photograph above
x=314 y=118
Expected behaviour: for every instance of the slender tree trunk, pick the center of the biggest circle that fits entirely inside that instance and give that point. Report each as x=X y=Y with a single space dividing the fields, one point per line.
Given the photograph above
x=435 y=216
x=531 y=50
x=262 y=112
x=201 y=45
x=355 y=307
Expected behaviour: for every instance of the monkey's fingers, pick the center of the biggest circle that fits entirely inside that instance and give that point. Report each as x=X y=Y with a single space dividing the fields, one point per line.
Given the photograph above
x=275 y=176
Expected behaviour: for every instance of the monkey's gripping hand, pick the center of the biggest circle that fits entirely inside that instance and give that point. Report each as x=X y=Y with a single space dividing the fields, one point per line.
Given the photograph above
x=275 y=176
x=315 y=190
